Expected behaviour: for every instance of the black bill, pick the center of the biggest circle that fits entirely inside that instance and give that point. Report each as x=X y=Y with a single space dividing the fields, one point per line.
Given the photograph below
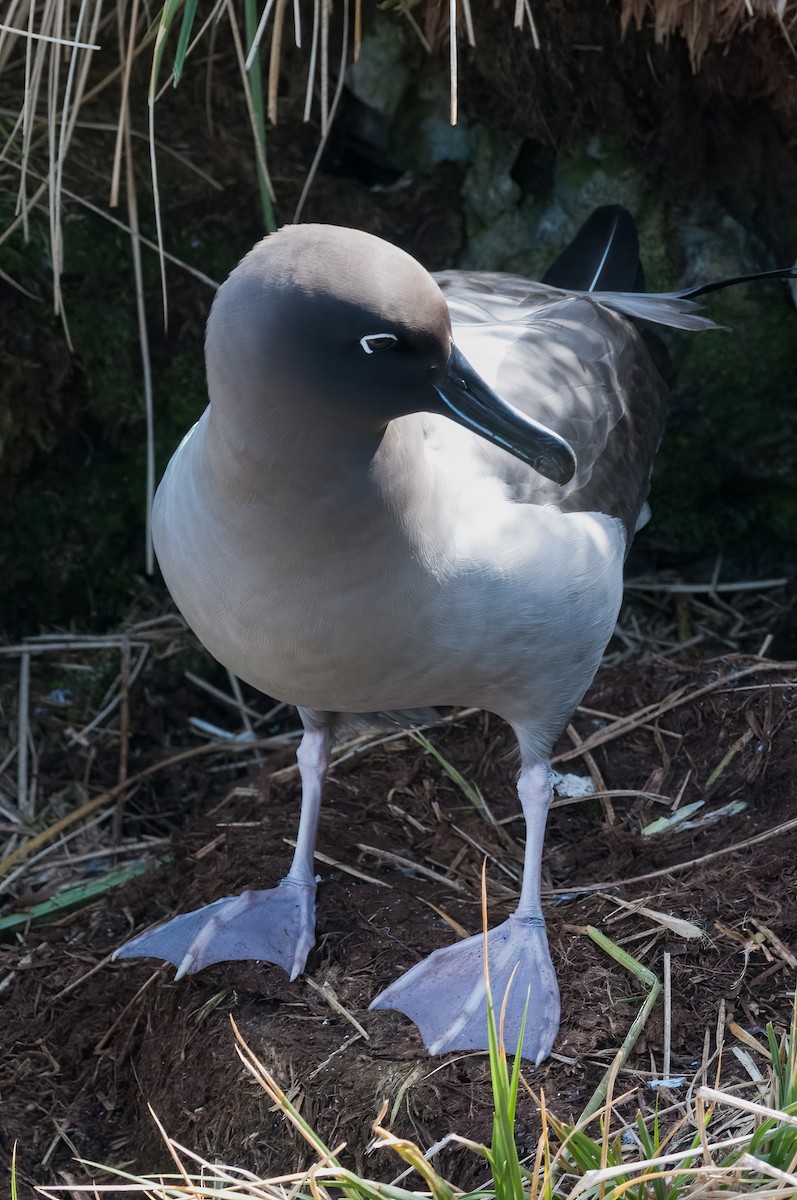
x=470 y=402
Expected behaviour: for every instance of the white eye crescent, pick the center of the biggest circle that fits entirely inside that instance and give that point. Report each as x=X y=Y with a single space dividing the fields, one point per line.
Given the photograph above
x=373 y=343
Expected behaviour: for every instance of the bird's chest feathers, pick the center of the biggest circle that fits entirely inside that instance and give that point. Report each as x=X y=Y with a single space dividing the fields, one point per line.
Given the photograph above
x=311 y=599
x=321 y=609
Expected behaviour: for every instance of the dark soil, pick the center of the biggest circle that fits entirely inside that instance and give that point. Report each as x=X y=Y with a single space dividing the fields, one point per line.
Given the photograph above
x=88 y=1045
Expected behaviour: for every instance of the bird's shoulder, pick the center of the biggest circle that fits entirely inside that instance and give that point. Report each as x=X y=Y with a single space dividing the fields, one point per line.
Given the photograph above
x=576 y=366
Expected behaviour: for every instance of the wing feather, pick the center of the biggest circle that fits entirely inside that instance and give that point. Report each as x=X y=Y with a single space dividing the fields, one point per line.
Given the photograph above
x=575 y=363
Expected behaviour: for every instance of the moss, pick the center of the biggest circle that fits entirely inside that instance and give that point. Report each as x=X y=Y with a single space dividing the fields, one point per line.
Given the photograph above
x=598 y=172
x=523 y=228
x=35 y=367
x=183 y=391
x=101 y=314
x=383 y=72
x=74 y=468
x=727 y=471
x=657 y=250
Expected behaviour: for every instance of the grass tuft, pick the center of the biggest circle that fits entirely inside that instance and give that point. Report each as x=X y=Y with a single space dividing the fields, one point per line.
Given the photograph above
x=752 y=1150
x=508 y=1179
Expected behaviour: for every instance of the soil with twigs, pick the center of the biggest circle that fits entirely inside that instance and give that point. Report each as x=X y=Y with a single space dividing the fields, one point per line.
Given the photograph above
x=128 y=755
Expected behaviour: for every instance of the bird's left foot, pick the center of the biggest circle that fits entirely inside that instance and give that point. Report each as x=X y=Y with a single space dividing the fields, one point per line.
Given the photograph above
x=446 y=998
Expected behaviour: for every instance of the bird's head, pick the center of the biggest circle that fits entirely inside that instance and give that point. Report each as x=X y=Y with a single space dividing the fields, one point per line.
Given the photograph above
x=341 y=325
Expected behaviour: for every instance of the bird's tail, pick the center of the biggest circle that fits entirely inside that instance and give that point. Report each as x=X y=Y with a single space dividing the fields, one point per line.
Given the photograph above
x=602 y=257
x=603 y=260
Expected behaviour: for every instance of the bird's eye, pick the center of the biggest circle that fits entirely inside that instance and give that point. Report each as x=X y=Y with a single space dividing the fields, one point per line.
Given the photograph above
x=375 y=343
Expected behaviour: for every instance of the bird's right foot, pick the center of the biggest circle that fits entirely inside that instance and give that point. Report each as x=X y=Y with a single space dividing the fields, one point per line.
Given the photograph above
x=276 y=926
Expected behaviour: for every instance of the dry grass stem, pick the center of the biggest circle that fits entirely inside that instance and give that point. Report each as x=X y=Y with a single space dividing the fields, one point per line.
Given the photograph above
x=24 y=804
x=716 y=1096
x=327 y=117
x=341 y=866
x=407 y=864
x=700 y=589
x=676 y=925
x=328 y=993
x=703 y=25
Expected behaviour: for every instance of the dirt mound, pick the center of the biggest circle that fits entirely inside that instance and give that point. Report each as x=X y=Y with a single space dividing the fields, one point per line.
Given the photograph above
x=87 y=1044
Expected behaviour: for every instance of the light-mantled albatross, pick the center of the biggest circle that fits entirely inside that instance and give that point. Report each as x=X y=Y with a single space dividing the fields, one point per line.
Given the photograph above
x=411 y=491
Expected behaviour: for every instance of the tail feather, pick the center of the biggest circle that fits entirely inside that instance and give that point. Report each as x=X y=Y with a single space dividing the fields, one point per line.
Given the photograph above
x=603 y=256
x=704 y=288
x=602 y=261
x=660 y=308
x=679 y=309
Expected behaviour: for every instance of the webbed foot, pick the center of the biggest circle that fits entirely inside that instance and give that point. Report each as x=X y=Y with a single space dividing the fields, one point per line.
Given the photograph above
x=445 y=994
x=276 y=926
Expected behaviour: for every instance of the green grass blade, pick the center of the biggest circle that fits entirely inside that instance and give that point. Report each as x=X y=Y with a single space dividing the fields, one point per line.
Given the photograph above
x=514 y=1084
x=585 y=1152
x=507 y=1175
x=468 y=789
x=186 y=28
x=778 y=1066
x=650 y=1144
x=790 y=1087
x=643 y=1133
x=782 y=1148
x=254 y=81
x=645 y=976
x=760 y=1138
x=508 y=1179
x=165 y=21
x=72 y=898
x=784 y=1061
x=679 y=1182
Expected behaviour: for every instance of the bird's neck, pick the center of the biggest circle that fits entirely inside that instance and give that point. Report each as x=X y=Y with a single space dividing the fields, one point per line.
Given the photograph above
x=325 y=477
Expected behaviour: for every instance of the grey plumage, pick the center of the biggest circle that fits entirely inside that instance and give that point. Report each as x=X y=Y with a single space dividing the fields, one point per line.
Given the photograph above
x=371 y=517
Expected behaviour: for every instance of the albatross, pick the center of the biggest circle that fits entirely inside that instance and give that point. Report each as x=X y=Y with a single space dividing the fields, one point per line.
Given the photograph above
x=411 y=491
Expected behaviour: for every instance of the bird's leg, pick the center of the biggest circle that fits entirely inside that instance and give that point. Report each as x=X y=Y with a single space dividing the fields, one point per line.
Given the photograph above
x=535 y=794
x=275 y=926
x=313 y=759
x=312 y=756
x=445 y=994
